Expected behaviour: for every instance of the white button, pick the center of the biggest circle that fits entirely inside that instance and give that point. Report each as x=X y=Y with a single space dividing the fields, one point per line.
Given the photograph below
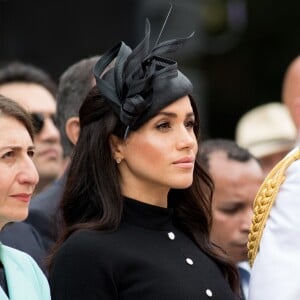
x=171 y=235
x=209 y=293
x=189 y=261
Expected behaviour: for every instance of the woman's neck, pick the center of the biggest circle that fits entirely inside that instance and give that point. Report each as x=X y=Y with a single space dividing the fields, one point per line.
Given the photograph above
x=154 y=196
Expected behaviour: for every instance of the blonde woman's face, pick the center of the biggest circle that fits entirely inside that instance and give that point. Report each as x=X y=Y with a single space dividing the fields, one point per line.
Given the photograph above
x=18 y=174
x=161 y=154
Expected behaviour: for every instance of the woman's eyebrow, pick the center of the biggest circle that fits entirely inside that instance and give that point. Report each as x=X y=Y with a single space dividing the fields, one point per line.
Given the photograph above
x=16 y=148
x=174 y=115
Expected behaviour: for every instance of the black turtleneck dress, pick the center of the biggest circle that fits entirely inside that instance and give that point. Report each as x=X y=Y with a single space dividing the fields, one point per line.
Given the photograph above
x=147 y=258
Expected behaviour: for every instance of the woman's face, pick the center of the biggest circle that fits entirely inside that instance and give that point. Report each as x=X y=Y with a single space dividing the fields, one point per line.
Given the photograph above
x=18 y=175
x=160 y=155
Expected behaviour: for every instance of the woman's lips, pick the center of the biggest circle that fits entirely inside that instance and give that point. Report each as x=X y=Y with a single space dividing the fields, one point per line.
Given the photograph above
x=185 y=162
x=24 y=197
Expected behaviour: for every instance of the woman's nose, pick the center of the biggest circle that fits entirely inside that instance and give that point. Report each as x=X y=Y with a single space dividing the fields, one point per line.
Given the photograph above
x=28 y=173
x=186 y=139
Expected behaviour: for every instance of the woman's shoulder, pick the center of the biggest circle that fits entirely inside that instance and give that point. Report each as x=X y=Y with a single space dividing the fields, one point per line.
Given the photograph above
x=91 y=236
x=84 y=246
x=22 y=260
x=16 y=255
x=85 y=242
x=22 y=270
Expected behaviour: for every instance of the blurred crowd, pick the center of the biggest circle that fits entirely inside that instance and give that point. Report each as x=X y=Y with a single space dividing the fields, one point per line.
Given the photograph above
x=56 y=163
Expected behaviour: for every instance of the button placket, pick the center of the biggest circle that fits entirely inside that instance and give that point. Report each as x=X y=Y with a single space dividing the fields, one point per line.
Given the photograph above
x=188 y=260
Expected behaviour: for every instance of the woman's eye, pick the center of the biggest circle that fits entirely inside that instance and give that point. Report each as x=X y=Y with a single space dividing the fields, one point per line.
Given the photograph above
x=190 y=124
x=9 y=154
x=163 y=126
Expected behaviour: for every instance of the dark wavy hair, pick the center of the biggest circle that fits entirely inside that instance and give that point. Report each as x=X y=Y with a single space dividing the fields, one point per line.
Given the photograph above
x=92 y=198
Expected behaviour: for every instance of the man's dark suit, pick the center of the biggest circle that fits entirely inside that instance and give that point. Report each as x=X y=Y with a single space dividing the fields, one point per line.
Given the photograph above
x=37 y=234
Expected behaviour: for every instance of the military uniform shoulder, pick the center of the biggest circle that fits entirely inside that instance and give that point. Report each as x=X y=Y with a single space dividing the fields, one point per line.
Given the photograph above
x=265 y=199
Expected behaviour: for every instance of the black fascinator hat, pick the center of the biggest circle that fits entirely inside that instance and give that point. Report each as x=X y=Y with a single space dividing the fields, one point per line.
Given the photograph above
x=142 y=81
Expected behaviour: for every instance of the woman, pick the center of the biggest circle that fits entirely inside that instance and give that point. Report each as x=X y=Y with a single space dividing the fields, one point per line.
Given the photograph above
x=136 y=206
x=20 y=277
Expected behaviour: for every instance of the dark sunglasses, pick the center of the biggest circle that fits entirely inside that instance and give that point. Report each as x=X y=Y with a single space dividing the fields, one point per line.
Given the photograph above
x=38 y=121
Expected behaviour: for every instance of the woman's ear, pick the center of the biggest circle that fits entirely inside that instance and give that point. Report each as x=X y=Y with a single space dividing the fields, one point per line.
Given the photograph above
x=72 y=129
x=116 y=147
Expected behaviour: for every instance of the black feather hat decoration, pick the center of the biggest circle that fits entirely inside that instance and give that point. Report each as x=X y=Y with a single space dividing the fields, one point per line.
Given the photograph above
x=142 y=81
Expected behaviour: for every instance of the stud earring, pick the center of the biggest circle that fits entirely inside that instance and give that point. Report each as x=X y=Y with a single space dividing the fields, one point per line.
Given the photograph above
x=118 y=160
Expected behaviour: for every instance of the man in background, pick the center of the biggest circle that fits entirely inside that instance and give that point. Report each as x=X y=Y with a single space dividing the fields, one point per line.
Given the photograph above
x=237 y=176
x=291 y=92
x=34 y=89
x=275 y=251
